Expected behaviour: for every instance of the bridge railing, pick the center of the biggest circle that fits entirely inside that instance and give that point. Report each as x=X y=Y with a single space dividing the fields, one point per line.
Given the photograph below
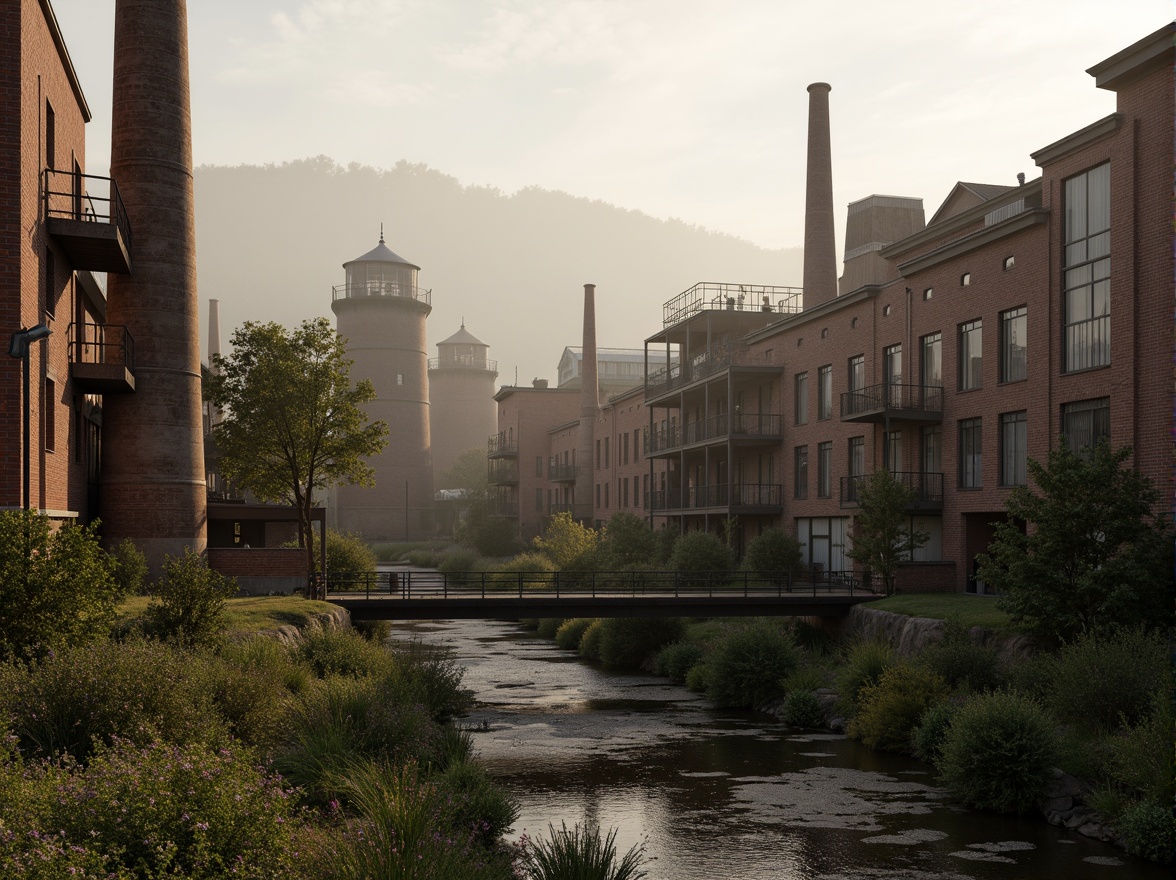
x=594 y=584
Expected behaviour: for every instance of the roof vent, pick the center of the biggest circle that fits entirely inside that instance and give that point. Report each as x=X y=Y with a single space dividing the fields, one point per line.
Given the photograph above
x=1021 y=178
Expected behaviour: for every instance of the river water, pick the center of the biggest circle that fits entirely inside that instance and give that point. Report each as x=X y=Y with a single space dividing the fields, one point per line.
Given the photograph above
x=717 y=794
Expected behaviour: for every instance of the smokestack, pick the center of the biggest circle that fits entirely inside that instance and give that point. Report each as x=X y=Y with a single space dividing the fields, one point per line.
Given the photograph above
x=153 y=489
x=589 y=408
x=820 y=254
x=214 y=340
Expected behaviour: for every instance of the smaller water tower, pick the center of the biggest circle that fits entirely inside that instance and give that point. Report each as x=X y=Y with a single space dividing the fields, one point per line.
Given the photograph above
x=461 y=391
x=380 y=312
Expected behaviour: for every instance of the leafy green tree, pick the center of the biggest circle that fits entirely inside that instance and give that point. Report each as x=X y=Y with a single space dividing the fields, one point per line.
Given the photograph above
x=772 y=551
x=884 y=537
x=467 y=472
x=627 y=542
x=57 y=586
x=348 y=556
x=565 y=540
x=702 y=555
x=1095 y=554
x=189 y=600
x=293 y=421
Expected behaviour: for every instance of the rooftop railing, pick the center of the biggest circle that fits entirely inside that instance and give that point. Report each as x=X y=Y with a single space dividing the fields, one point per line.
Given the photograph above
x=463 y=362
x=378 y=289
x=720 y=296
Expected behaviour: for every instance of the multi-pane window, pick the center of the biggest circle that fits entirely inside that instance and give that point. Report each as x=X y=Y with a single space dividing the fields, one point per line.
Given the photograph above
x=50 y=415
x=894 y=452
x=538 y=465
x=1012 y=345
x=538 y=500
x=825 y=392
x=932 y=366
x=1013 y=448
x=1087 y=269
x=800 y=469
x=971 y=337
x=857 y=466
x=801 y=388
x=892 y=360
x=971 y=470
x=1086 y=422
x=931 y=454
x=824 y=470
x=857 y=373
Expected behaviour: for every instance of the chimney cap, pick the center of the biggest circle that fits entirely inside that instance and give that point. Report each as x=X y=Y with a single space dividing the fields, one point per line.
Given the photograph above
x=820 y=85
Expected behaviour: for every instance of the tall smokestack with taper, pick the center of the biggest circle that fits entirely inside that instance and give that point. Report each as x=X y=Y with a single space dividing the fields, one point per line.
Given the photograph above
x=153 y=488
x=820 y=252
x=589 y=410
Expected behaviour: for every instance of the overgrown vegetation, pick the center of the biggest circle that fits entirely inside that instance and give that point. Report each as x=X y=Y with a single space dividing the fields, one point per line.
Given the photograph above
x=188 y=601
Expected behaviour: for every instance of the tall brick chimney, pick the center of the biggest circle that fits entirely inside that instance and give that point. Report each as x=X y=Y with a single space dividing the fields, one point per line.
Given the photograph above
x=820 y=252
x=153 y=489
x=589 y=409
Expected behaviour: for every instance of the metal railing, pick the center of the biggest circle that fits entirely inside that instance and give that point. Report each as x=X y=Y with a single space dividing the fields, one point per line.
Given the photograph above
x=892 y=396
x=463 y=362
x=377 y=289
x=501 y=472
x=720 y=296
x=701 y=497
x=502 y=446
x=709 y=363
x=715 y=428
x=504 y=508
x=1088 y=343
x=927 y=487
x=562 y=473
x=77 y=202
x=101 y=344
x=408 y=585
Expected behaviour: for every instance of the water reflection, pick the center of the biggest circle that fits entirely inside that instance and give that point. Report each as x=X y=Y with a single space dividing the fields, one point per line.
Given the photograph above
x=720 y=794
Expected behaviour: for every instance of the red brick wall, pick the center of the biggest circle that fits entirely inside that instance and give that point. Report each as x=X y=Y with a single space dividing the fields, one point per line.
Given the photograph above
x=258 y=562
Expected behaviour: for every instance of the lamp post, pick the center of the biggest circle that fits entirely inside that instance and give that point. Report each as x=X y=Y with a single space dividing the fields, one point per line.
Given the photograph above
x=18 y=347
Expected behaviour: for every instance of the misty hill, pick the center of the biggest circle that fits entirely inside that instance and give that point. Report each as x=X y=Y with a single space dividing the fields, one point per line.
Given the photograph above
x=271 y=241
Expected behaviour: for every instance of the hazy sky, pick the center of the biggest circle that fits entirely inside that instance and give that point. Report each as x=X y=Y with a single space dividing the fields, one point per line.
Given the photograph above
x=692 y=109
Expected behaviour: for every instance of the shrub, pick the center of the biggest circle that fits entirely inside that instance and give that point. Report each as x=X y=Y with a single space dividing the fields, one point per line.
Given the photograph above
x=590 y=640
x=626 y=642
x=189 y=600
x=152 y=811
x=429 y=676
x=812 y=638
x=665 y=539
x=927 y=739
x=865 y=661
x=130 y=568
x=801 y=709
x=565 y=539
x=57 y=587
x=773 y=553
x=701 y=560
x=748 y=665
x=376 y=631
x=626 y=542
x=960 y=661
x=581 y=853
x=571 y=631
x=478 y=806
x=507 y=574
x=1150 y=829
x=890 y=710
x=270 y=657
x=675 y=660
x=1101 y=681
x=805 y=677
x=245 y=699
x=1141 y=757
x=422 y=558
x=548 y=627
x=999 y=752
x=342 y=652
x=348 y=557
x=698 y=679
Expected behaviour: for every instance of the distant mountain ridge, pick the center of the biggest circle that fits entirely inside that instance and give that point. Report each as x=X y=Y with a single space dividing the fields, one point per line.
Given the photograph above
x=271 y=241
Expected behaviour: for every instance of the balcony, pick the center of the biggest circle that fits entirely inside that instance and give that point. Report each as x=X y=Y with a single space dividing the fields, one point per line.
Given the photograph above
x=502 y=508
x=877 y=403
x=717 y=296
x=742 y=427
x=927 y=487
x=502 y=447
x=101 y=358
x=562 y=473
x=92 y=229
x=381 y=290
x=463 y=362
x=711 y=362
x=742 y=497
x=504 y=473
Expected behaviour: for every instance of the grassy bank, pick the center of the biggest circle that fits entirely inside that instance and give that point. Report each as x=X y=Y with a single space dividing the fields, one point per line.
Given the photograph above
x=967 y=609
x=248 y=615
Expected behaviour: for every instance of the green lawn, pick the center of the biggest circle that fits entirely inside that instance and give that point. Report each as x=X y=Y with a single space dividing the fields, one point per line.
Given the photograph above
x=250 y=614
x=972 y=610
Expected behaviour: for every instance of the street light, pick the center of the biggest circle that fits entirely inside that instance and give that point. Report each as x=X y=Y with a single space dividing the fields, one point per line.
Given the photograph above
x=18 y=347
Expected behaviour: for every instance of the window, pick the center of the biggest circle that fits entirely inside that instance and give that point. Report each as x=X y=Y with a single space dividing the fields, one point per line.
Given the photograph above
x=1013 y=445
x=50 y=415
x=932 y=376
x=606 y=465
x=971 y=471
x=966 y=279
x=623 y=493
x=970 y=355
x=1009 y=262
x=598 y=495
x=1087 y=265
x=824 y=470
x=800 y=468
x=928 y=292
x=886 y=311
x=598 y=467
x=606 y=485
x=931 y=454
x=857 y=373
x=400 y=378
x=50 y=136
x=539 y=500
x=894 y=452
x=1013 y=365
x=50 y=283
x=825 y=392
x=623 y=445
x=801 y=388
x=1086 y=422
x=857 y=466
x=892 y=359
x=538 y=465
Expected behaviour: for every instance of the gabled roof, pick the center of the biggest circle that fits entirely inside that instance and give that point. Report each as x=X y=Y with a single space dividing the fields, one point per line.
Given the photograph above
x=966 y=195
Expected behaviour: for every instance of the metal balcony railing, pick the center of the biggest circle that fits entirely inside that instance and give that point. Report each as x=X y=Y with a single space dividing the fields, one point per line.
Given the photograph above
x=463 y=362
x=562 y=473
x=86 y=215
x=701 y=497
x=926 y=486
x=892 y=398
x=101 y=358
x=502 y=446
x=720 y=296
x=755 y=425
x=504 y=508
x=503 y=473
x=709 y=363
x=378 y=289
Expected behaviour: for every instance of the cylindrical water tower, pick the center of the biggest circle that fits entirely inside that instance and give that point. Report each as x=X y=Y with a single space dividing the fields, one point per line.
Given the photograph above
x=461 y=392
x=381 y=313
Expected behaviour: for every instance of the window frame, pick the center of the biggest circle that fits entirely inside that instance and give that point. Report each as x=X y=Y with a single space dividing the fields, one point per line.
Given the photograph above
x=1020 y=314
x=1086 y=275
x=800 y=473
x=800 y=397
x=1014 y=450
x=825 y=469
x=824 y=392
x=970 y=433
x=966 y=375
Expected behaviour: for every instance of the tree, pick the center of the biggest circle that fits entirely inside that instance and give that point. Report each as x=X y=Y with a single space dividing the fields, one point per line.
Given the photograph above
x=884 y=536
x=1085 y=552
x=57 y=586
x=294 y=422
x=188 y=601
x=467 y=472
x=773 y=552
x=565 y=540
x=627 y=542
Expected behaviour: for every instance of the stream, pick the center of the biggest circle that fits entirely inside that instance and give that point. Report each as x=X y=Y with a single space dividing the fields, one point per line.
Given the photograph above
x=716 y=794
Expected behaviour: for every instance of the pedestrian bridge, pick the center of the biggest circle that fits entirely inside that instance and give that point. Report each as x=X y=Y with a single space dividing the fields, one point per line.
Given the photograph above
x=432 y=595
